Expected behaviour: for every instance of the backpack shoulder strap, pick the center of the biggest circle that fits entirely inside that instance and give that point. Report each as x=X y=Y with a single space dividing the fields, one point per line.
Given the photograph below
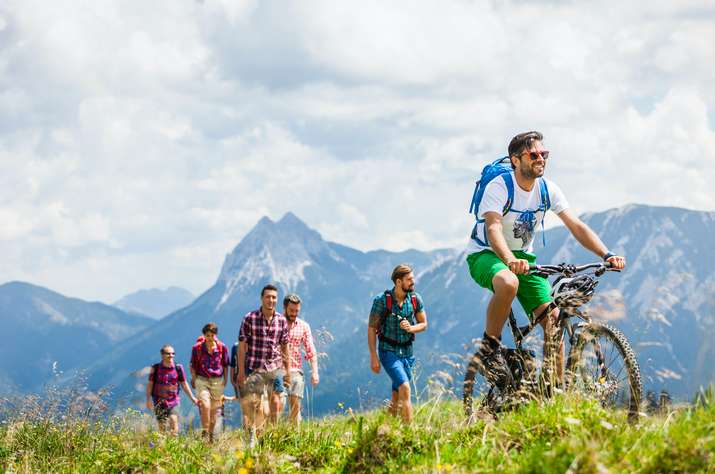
x=544 y=190
x=413 y=298
x=180 y=371
x=509 y=182
x=388 y=308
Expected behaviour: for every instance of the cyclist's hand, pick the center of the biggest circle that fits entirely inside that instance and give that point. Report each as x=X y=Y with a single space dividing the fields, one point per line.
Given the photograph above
x=375 y=364
x=617 y=262
x=405 y=325
x=519 y=266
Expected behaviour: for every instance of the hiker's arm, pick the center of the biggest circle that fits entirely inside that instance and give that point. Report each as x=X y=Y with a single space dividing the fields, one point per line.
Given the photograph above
x=499 y=245
x=242 y=348
x=312 y=355
x=371 y=345
x=286 y=364
x=150 y=389
x=588 y=238
x=192 y=369
x=188 y=392
x=421 y=323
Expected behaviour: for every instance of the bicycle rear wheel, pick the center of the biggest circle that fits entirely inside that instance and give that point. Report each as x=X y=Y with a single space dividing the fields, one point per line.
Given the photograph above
x=602 y=363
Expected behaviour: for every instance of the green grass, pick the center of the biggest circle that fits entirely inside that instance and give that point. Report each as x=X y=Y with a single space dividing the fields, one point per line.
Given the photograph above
x=560 y=435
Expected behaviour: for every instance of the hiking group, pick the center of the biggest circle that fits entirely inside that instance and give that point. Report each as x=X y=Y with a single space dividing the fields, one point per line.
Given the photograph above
x=510 y=202
x=265 y=366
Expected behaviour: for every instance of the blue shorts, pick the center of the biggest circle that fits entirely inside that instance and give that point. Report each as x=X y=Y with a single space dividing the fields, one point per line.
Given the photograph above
x=398 y=368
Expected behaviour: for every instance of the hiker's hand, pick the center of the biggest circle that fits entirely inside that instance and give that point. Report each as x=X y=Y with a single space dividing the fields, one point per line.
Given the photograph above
x=617 y=262
x=196 y=401
x=375 y=364
x=150 y=405
x=519 y=266
x=241 y=378
x=314 y=379
x=405 y=325
x=193 y=384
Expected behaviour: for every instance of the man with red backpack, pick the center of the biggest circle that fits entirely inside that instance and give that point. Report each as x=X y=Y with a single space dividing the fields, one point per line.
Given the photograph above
x=209 y=374
x=162 y=390
x=396 y=316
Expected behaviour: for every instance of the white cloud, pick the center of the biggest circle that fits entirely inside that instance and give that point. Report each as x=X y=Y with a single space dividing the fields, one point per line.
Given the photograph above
x=140 y=141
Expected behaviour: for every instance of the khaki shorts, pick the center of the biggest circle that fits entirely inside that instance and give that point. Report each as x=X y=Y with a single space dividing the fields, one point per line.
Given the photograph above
x=259 y=382
x=209 y=388
x=297 y=384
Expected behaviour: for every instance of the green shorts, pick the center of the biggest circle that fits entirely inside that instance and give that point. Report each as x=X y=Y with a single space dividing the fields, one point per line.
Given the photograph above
x=533 y=290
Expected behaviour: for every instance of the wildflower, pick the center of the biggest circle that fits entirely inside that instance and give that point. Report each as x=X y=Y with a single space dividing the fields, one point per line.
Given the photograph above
x=249 y=463
x=243 y=470
x=239 y=454
x=338 y=444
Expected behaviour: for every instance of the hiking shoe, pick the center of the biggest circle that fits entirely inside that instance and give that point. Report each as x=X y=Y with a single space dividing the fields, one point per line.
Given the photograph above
x=494 y=367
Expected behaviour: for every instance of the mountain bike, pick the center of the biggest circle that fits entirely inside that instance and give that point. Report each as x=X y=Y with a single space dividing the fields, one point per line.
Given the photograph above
x=600 y=363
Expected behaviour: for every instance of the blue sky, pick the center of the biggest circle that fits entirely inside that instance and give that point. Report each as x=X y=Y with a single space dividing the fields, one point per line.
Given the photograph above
x=139 y=141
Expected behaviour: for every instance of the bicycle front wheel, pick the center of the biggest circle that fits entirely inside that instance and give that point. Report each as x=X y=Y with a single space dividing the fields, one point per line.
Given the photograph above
x=602 y=363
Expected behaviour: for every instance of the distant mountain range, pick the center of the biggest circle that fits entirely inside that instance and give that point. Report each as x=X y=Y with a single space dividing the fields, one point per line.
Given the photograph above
x=664 y=302
x=45 y=332
x=154 y=302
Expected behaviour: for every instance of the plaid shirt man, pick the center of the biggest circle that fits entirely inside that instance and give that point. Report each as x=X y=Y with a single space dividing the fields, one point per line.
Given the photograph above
x=299 y=333
x=264 y=340
x=390 y=326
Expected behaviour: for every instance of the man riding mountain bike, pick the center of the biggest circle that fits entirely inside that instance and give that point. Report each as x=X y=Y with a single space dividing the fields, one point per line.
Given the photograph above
x=512 y=206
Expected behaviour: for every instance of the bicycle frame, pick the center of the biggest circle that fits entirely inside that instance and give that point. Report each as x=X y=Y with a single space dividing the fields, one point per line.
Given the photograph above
x=519 y=333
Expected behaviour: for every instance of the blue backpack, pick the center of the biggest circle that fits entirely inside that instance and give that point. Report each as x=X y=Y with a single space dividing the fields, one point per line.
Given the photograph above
x=502 y=167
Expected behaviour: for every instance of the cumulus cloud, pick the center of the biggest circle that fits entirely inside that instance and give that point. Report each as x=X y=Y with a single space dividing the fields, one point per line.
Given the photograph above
x=139 y=142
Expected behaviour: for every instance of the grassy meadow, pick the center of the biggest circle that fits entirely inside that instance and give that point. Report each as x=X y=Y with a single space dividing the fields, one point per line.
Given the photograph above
x=564 y=434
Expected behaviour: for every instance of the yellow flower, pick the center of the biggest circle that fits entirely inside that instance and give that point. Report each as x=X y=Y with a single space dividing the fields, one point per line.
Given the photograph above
x=249 y=463
x=239 y=454
x=243 y=470
x=338 y=444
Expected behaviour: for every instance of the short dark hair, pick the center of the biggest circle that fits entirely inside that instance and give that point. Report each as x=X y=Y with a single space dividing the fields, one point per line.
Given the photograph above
x=291 y=298
x=163 y=348
x=268 y=287
x=522 y=142
x=400 y=271
x=210 y=327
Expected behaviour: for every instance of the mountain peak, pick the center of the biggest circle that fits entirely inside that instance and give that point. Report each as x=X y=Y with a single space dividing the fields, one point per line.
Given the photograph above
x=289 y=219
x=272 y=252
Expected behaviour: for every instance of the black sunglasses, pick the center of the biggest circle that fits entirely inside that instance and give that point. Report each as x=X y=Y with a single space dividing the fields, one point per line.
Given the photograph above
x=168 y=353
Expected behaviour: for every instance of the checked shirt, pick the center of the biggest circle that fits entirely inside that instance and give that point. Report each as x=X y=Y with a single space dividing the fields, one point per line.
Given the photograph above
x=264 y=340
x=299 y=333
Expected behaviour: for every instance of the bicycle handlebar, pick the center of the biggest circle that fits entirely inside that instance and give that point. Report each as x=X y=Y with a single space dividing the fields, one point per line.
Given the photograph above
x=568 y=269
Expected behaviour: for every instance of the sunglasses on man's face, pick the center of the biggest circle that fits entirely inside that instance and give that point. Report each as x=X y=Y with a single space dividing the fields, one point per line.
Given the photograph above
x=168 y=354
x=534 y=155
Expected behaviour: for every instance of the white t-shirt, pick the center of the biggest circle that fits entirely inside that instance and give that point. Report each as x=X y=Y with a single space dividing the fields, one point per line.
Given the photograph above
x=520 y=224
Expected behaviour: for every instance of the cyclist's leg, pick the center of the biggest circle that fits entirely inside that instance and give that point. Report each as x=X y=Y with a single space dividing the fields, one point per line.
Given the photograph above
x=548 y=324
x=490 y=272
x=534 y=295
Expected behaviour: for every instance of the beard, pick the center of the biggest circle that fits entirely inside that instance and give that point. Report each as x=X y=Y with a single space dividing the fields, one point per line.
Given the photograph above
x=529 y=172
x=408 y=288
